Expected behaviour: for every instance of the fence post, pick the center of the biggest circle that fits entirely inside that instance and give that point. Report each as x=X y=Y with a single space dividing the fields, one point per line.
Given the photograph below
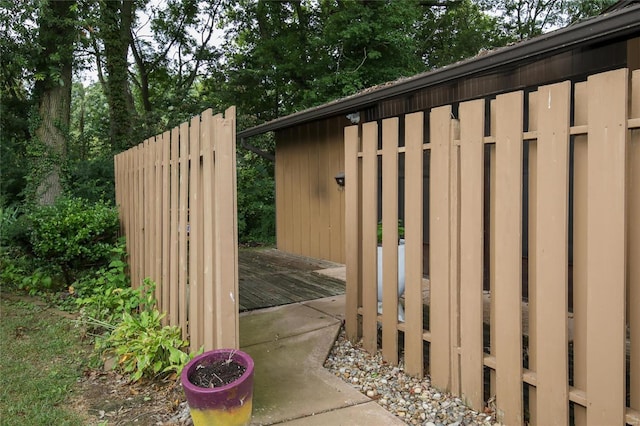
x=471 y=250
x=352 y=237
x=552 y=254
x=390 y=127
x=633 y=205
x=508 y=255
x=225 y=232
x=414 y=226
x=440 y=247
x=369 y=235
x=606 y=252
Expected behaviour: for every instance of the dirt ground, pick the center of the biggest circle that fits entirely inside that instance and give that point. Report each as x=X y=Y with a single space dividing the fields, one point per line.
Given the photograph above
x=106 y=398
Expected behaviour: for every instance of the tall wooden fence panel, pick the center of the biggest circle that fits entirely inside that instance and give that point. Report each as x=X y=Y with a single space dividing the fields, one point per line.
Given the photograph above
x=529 y=207
x=177 y=198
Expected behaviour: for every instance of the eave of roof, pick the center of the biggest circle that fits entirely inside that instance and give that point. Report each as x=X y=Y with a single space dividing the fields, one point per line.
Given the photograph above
x=608 y=26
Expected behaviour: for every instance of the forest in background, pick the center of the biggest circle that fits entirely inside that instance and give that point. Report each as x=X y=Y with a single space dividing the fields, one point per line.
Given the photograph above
x=83 y=80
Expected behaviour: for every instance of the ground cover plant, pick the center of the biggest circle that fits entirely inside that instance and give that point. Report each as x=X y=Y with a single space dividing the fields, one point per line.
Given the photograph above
x=41 y=360
x=74 y=329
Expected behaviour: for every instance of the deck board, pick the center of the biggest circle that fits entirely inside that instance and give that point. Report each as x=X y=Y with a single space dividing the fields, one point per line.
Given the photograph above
x=269 y=277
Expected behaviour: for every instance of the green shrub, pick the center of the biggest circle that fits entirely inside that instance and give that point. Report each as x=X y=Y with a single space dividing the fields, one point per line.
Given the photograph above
x=8 y=217
x=145 y=348
x=92 y=179
x=105 y=295
x=72 y=234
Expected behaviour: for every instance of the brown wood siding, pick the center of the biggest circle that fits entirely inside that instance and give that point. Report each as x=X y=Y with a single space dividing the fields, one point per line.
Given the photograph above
x=574 y=65
x=309 y=204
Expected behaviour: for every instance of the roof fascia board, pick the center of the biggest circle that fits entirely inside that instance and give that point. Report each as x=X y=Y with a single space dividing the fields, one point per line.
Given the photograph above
x=612 y=25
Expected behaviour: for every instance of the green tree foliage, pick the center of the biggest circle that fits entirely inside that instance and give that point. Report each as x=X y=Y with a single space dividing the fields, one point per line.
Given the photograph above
x=523 y=19
x=156 y=64
x=290 y=55
x=89 y=129
x=458 y=31
x=18 y=47
x=364 y=43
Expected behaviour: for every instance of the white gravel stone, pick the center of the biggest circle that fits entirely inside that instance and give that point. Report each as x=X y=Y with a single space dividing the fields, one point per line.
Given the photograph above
x=410 y=399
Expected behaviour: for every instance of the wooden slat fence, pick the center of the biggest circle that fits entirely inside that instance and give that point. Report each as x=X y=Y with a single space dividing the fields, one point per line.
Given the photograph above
x=177 y=198
x=557 y=169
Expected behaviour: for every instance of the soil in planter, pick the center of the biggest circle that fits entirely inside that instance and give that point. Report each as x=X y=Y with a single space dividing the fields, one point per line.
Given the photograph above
x=218 y=374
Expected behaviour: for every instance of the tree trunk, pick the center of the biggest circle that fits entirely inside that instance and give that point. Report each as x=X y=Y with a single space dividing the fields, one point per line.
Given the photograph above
x=53 y=94
x=116 y=33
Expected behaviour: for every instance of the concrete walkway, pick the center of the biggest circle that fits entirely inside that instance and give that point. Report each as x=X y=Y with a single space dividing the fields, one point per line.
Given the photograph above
x=289 y=345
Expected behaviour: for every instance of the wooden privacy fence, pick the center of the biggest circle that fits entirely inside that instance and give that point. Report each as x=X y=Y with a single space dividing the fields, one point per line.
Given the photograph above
x=177 y=198
x=560 y=165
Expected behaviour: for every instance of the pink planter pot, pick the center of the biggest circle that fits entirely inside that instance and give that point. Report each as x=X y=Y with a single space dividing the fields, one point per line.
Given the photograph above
x=228 y=405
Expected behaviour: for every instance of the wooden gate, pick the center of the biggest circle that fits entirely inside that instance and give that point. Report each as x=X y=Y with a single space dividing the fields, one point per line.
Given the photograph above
x=177 y=198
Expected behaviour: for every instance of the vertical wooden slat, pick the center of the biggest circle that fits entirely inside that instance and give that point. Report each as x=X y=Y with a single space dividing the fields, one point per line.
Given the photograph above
x=508 y=252
x=471 y=248
x=369 y=234
x=492 y=247
x=130 y=223
x=196 y=287
x=440 y=246
x=147 y=207
x=294 y=190
x=117 y=170
x=324 y=164
x=413 y=222
x=208 y=230
x=226 y=236
x=336 y=197
x=580 y=176
x=129 y=212
x=173 y=223
x=183 y=172
x=606 y=247
x=157 y=214
x=552 y=253
x=133 y=253
x=279 y=190
x=532 y=248
x=352 y=237
x=454 y=259
x=633 y=243
x=139 y=215
x=164 y=282
x=390 y=240
x=314 y=189
x=303 y=205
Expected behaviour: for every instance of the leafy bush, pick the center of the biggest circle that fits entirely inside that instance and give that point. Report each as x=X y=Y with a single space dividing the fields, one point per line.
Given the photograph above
x=72 y=234
x=92 y=179
x=145 y=348
x=106 y=294
x=13 y=268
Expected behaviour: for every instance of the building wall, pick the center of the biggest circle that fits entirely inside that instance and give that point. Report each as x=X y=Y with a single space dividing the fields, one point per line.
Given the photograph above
x=309 y=203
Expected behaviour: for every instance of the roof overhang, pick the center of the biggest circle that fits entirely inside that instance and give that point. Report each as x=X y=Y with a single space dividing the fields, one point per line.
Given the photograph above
x=614 y=25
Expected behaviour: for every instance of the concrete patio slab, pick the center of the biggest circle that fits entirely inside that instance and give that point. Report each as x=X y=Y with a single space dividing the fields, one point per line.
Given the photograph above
x=271 y=324
x=289 y=345
x=366 y=414
x=333 y=306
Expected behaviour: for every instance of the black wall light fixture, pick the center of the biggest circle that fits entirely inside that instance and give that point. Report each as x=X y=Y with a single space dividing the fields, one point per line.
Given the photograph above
x=340 y=179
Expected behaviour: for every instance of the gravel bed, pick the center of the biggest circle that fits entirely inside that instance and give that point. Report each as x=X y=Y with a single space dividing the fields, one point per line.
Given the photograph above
x=412 y=400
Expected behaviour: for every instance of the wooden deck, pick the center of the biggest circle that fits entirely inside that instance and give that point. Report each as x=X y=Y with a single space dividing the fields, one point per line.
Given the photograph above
x=269 y=277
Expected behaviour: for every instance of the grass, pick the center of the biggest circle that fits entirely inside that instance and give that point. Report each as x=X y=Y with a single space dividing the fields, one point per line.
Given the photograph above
x=41 y=360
